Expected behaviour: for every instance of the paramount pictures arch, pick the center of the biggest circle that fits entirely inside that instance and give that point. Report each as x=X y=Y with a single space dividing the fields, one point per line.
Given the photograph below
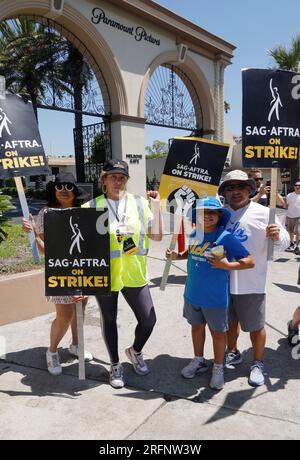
x=130 y=40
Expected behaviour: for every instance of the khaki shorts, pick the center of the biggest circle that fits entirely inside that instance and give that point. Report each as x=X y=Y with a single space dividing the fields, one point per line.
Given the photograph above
x=249 y=310
x=292 y=224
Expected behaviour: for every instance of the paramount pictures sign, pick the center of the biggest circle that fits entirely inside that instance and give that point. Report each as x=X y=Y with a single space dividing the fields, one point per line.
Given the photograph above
x=77 y=256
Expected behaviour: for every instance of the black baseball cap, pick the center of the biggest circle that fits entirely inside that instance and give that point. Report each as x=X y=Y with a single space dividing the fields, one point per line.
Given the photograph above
x=116 y=166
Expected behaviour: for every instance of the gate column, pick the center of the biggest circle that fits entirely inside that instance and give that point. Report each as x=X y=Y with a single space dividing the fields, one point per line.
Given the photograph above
x=128 y=144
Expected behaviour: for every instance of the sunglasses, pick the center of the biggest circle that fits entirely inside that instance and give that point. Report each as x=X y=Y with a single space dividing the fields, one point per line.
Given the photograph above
x=230 y=188
x=67 y=187
x=258 y=178
x=297 y=185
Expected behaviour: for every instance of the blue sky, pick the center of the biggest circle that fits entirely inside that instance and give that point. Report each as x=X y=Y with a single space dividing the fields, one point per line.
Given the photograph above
x=253 y=26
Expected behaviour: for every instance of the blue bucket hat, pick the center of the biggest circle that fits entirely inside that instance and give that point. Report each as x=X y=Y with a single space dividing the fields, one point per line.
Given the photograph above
x=210 y=202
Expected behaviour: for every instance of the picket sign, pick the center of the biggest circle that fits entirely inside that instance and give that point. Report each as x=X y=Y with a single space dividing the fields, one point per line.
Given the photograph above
x=79 y=318
x=177 y=228
x=25 y=210
x=272 y=211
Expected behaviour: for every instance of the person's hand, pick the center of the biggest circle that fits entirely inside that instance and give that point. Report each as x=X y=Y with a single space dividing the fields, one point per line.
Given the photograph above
x=153 y=196
x=216 y=262
x=29 y=225
x=273 y=232
x=184 y=198
x=171 y=254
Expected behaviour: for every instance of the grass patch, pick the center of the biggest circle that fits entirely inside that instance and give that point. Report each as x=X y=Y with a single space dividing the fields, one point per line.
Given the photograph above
x=15 y=252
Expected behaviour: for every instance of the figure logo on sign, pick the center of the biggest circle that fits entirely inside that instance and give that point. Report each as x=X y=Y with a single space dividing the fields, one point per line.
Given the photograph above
x=76 y=237
x=3 y=122
x=196 y=155
x=275 y=102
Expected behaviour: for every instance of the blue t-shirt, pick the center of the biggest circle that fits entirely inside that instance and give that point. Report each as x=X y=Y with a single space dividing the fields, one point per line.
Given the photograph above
x=207 y=286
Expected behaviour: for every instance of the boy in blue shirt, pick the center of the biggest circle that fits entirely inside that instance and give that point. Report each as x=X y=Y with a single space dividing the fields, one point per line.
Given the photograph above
x=212 y=253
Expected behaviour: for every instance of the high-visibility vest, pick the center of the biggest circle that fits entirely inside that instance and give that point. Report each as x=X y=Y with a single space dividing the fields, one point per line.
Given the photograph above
x=128 y=270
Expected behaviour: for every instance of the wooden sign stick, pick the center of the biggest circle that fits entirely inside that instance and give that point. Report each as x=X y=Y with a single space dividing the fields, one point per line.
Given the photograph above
x=80 y=333
x=25 y=210
x=178 y=221
x=272 y=212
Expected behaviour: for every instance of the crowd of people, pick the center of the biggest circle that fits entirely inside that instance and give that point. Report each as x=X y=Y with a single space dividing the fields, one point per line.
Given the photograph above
x=227 y=248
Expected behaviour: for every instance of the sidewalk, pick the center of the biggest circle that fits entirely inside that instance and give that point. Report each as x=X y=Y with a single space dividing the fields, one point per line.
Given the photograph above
x=162 y=405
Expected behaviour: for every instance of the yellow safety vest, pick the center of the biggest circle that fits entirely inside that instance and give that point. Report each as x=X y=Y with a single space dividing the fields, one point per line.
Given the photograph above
x=128 y=270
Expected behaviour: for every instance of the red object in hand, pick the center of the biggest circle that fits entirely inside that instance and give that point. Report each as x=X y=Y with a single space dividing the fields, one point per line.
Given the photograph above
x=181 y=239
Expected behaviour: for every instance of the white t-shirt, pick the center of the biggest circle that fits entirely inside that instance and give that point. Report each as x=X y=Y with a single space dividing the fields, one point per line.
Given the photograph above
x=249 y=224
x=293 y=202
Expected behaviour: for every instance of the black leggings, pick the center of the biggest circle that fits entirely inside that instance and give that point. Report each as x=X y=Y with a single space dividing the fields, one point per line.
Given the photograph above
x=140 y=301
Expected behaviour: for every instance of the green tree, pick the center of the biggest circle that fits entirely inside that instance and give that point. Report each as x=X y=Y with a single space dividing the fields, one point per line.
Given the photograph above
x=288 y=59
x=158 y=148
x=5 y=205
x=98 y=149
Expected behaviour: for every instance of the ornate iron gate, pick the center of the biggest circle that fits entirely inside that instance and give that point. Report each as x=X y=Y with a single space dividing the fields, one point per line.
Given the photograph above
x=96 y=142
x=172 y=101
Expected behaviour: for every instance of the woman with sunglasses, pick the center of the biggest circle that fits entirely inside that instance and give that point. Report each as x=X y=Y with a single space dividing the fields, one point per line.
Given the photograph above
x=130 y=222
x=62 y=193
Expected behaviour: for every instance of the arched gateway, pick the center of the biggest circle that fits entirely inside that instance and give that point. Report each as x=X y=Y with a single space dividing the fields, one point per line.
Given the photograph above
x=126 y=42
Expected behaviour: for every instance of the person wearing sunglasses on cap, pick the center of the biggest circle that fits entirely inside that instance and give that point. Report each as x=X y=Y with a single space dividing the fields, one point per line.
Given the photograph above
x=130 y=223
x=293 y=217
x=262 y=195
x=249 y=222
x=61 y=194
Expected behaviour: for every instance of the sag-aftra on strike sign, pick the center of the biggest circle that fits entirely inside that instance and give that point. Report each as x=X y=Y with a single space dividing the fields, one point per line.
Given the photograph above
x=21 y=149
x=271 y=118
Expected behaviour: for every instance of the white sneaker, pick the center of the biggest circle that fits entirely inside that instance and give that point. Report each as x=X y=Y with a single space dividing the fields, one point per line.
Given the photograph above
x=116 y=377
x=217 y=377
x=74 y=350
x=53 y=363
x=193 y=368
x=137 y=361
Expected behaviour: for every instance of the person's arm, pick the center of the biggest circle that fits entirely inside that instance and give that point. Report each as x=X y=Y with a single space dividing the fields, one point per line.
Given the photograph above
x=30 y=225
x=155 y=232
x=259 y=195
x=280 y=201
x=241 y=264
x=176 y=255
x=279 y=235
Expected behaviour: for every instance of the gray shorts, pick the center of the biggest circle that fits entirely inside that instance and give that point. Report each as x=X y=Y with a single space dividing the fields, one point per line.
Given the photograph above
x=292 y=225
x=249 y=310
x=216 y=318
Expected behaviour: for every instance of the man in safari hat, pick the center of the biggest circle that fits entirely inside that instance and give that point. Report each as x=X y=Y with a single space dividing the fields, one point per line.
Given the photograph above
x=249 y=223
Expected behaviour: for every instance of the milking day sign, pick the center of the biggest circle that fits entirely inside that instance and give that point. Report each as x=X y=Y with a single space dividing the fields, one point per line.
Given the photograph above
x=77 y=258
x=21 y=149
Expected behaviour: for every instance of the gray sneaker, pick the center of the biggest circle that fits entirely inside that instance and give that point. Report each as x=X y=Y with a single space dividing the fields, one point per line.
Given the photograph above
x=232 y=358
x=116 y=378
x=193 y=368
x=256 y=377
x=217 y=377
x=137 y=361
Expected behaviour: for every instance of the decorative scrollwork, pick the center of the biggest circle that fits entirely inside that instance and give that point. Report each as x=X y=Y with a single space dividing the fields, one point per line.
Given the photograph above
x=168 y=99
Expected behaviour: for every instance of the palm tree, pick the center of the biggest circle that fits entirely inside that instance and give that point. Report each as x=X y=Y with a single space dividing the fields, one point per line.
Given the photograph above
x=288 y=59
x=36 y=60
x=26 y=55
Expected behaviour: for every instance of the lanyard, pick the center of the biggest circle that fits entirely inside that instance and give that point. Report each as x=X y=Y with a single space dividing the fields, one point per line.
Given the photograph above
x=114 y=211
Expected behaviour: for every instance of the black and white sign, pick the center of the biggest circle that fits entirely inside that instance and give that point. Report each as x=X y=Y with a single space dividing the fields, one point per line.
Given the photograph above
x=77 y=257
x=21 y=149
x=271 y=115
